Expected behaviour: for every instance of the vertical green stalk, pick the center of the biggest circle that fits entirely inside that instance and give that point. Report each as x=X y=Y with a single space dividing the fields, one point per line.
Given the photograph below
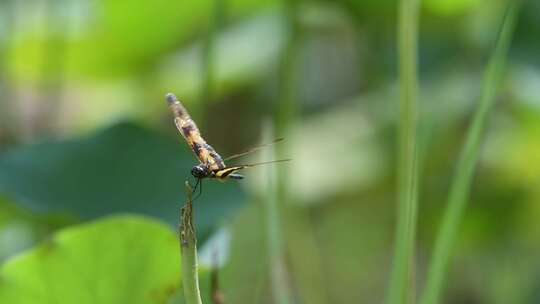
x=278 y=275
x=188 y=247
x=284 y=117
x=55 y=53
x=208 y=62
x=461 y=184
x=7 y=113
x=288 y=70
x=401 y=286
x=302 y=246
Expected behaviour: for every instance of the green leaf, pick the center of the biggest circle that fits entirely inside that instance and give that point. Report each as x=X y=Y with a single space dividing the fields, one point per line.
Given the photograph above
x=126 y=259
x=124 y=168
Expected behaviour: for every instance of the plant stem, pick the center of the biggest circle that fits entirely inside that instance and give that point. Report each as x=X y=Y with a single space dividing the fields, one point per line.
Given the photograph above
x=188 y=247
x=278 y=179
x=278 y=272
x=303 y=249
x=461 y=184
x=401 y=286
x=207 y=92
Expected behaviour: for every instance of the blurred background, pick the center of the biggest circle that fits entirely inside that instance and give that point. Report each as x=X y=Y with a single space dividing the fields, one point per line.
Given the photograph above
x=85 y=133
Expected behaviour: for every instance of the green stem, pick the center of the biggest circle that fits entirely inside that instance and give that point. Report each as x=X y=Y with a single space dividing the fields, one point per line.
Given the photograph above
x=303 y=249
x=278 y=272
x=461 y=184
x=278 y=196
x=208 y=59
x=286 y=112
x=188 y=247
x=402 y=273
x=8 y=116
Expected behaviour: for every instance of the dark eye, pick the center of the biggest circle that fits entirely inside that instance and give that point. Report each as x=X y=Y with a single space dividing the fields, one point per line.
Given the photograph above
x=199 y=172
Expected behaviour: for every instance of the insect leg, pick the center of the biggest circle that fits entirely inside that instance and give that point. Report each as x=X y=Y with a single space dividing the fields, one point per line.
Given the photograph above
x=199 y=185
x=193 y=189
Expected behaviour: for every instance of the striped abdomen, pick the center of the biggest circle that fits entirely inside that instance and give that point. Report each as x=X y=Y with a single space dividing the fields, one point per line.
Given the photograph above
x=204 y=152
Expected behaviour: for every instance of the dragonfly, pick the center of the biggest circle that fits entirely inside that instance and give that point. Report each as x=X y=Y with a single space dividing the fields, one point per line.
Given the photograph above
x=211 y=164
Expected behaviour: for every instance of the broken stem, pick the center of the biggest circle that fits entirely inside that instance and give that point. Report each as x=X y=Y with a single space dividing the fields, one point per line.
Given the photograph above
x=188 y=248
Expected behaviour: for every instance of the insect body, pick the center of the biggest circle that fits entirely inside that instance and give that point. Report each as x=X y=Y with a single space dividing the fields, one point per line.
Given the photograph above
x=211 y=164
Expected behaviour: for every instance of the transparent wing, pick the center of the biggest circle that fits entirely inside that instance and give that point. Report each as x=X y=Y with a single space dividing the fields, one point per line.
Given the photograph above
x=189 y=130
x=257 y=148
x=229 y=170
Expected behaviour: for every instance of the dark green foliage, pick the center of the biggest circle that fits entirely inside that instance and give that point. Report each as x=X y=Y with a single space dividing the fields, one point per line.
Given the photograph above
x=124 y=168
